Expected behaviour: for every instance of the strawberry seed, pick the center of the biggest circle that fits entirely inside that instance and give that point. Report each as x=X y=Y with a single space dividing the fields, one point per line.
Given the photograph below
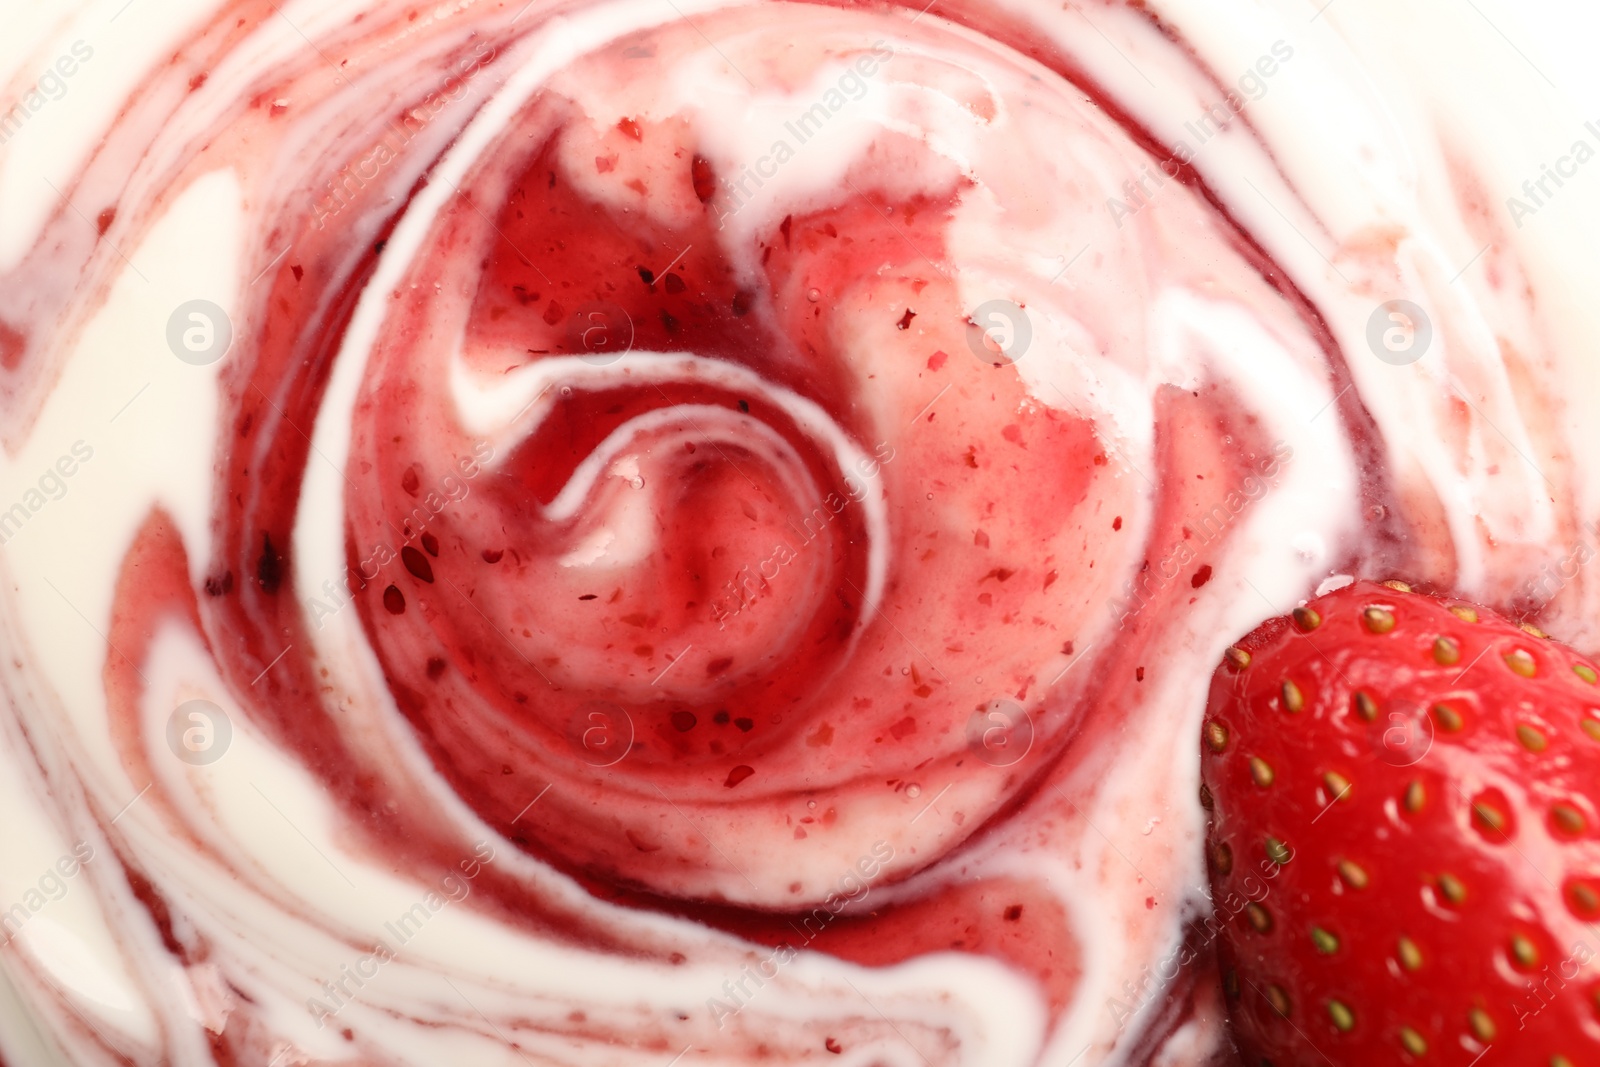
x=1446 y=652
x=1521 y=662
x=1337 y=785
x=1524 y=952
x=1278 y=852
x=1352 y=873
x=1583 y=897
x=1412 y=1041
x=1364 y=705
x=1378 y=620
x=1261 y=772
x=1452 y=889
x=1448 y=718
x=1489 y=817
x=1568 y=819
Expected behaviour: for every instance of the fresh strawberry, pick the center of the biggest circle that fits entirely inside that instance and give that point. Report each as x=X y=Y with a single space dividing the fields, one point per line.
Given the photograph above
x=1404 y=847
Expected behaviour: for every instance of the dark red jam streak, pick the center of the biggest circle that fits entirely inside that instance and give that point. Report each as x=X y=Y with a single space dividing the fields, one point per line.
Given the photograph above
x=479 y=650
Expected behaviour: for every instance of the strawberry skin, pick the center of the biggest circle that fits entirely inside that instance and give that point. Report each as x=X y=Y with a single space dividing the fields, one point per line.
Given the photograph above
x=1404 y=842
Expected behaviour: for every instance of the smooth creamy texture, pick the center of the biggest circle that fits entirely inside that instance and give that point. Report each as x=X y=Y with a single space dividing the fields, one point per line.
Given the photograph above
x=1371 y=168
